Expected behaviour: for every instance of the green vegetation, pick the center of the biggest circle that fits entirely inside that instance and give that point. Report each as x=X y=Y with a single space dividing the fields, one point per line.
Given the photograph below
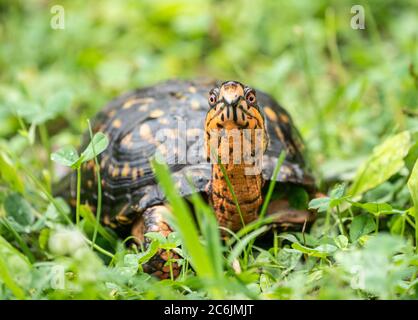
x=352 y=93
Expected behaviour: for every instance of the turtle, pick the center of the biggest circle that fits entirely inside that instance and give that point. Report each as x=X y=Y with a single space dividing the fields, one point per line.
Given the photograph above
x=180 y=121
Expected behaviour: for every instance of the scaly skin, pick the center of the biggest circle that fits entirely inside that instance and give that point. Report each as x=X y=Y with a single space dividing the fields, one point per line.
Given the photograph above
x=234 y=110
x=152 y=220
x=247 y=189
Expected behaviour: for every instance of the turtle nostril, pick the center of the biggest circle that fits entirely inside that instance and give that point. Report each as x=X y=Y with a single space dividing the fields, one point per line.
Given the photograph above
x=232 y=100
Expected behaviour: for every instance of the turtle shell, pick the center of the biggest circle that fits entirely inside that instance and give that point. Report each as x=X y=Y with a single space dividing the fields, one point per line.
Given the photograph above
x=167 y=119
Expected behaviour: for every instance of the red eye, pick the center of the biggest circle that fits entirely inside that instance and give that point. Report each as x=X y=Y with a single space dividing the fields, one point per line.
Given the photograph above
x=212 y=99
x=250 y=97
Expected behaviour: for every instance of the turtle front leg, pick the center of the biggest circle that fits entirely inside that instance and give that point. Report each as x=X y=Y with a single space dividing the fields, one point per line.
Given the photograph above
x=152 y=220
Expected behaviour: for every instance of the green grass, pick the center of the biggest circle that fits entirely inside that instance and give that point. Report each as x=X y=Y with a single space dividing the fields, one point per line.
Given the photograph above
x=353 y=94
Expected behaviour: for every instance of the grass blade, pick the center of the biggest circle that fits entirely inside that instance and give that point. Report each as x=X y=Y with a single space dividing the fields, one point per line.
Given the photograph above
x=272 y=184
x=240 y=246
x=413 y=189
x=99 y=183
x=185 y=224
x=231 y=189
x=9 y=254
x=9 y=282
x=86 y=213
x=210 y=231
x=19 y=239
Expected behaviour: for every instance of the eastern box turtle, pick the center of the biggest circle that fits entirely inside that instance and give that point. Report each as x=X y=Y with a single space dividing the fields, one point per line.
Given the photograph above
x=176 y=120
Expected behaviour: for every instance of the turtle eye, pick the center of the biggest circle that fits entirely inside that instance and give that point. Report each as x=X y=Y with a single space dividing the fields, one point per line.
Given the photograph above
x=212 y=99
x=250 y=97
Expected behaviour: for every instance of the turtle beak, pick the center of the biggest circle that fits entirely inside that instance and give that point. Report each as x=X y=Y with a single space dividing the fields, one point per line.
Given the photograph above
x=231 y=93
x=231 y=100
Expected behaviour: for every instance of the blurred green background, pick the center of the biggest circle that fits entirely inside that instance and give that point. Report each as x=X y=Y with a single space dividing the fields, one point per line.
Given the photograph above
x=346 y=89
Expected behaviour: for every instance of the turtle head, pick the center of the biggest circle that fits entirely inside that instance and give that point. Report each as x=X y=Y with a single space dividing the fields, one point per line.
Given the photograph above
x=233 y=106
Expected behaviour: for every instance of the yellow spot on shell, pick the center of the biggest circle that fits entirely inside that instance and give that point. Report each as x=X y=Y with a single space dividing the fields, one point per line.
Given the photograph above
x=127 y=140
x=90 y=165
x=284 y=118
x=106 y=219
x=163 y=121
x=122 y=219
x=117 y=123
x=270 y=114
x=134 y=173
x=146 y=100
x=195 y=104
x=156 y=113
x=128 y=104
x=115 y=172
x=180 y=96
x=103 y=162
x=145 y=131
x=192 y=89
x=279 y=134
x=111 y=113
x=126 y=170
x=132 y=102
x=143 y=108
